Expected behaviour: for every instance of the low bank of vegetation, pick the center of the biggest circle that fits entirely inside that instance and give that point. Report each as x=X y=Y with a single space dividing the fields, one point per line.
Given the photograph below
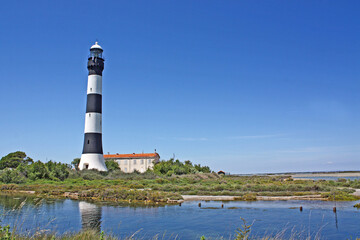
x=167 y=182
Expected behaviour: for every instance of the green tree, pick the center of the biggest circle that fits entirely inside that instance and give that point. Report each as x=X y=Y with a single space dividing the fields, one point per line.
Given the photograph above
x=176 y=167
x=112 y=165
x=37 y=170
x=12 y=176
x=57 y=171
x=13 y=160
x=75 y=163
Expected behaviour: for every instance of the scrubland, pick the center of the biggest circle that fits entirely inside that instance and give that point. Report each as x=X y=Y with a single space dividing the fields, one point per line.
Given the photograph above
x=150 y=187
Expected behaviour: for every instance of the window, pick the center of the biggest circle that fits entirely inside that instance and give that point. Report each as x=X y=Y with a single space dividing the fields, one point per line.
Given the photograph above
x=90 y=89
x=126 y=169
x=89 y=114
x=142 y=161
x=88 y=141
x=149 y=161
x=134 y=161
x=125 y=161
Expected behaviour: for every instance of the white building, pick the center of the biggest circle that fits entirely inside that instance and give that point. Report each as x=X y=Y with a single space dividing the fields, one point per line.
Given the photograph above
x=137 y=161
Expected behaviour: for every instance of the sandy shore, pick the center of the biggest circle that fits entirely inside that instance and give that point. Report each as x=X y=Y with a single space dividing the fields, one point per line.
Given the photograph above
x=305 y=197
x=207 y=198
x=357 y=192
x=263 y=198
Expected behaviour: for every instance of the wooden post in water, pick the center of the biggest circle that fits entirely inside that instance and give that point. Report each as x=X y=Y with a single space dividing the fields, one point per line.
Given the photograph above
x=301 y=208
x=199 y=204
x=222 y=205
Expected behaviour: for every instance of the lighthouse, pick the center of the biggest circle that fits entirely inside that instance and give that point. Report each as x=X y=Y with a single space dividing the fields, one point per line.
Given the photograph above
x=92 y=155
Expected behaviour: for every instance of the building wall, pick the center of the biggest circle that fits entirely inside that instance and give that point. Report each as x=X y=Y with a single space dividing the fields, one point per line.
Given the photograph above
x=129 y=165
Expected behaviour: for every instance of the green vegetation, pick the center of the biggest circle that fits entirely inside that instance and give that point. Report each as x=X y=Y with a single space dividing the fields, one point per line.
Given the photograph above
x=167 y=182
x=112 y=165
x=75 y=163
x=172 y=167
x=35 y=171
x=13 y=160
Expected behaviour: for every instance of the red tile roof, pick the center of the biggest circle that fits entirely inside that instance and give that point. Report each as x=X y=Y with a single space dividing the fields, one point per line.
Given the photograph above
x=133 y=155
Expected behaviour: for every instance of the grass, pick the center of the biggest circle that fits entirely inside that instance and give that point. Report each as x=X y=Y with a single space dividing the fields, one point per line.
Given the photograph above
x=93 y=235
x=148 y=187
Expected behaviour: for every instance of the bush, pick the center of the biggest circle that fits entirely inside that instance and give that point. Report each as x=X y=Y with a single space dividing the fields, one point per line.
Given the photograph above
x=57 y=171
x=11 y=176
x=37 y=170
x=112 y=165
x=91 y=174
x=172 y=167
x=339 y=196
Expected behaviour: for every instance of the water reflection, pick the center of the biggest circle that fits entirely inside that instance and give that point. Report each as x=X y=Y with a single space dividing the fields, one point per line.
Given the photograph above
x=188 y=221
x=90 y=216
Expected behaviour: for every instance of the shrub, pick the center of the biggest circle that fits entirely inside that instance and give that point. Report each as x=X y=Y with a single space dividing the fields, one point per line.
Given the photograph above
x=339 y=196
x=57 y=171
x=175 y=167
x=11 y=176
x=37 y=170
x=91 y=174
x=161 y=181
x=249 y=197
x=112 y=165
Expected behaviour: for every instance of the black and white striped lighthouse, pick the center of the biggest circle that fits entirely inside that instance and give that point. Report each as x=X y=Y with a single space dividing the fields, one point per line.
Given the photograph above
x=92 y=156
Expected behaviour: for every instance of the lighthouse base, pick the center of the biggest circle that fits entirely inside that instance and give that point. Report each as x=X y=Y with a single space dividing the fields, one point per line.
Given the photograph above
x=92 y=161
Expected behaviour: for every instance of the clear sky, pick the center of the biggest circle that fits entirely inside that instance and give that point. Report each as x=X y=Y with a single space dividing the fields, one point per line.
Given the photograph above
x=241 y=86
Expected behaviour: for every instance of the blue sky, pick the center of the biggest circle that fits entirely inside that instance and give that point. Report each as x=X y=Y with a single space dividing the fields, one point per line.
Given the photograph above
x=241 y=86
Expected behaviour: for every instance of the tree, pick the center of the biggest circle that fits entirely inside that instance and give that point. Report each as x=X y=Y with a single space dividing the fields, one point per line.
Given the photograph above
x=11 y=176
x=112 y=165
x=75 y=163
x=37 y=170
x=176 y=167
x=13 y=160
x=57 y=171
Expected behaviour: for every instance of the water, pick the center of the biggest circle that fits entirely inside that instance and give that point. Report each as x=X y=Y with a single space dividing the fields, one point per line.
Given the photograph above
x=328 y=178
x=187 y=221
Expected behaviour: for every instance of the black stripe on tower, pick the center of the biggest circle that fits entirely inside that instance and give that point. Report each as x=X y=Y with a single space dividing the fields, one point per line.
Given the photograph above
x=92 y=143
x=95 y=66
x=94 y=103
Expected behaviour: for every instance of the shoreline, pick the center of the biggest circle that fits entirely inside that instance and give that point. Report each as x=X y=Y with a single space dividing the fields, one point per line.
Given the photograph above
x=186 y=198
x=189 y=198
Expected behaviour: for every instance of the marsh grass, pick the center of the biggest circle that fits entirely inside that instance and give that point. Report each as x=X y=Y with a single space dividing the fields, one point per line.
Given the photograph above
x=118 y=186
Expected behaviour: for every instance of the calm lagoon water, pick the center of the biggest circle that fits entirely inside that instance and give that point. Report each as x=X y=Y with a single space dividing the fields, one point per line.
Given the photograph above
x=328 y=178
x=187 y=221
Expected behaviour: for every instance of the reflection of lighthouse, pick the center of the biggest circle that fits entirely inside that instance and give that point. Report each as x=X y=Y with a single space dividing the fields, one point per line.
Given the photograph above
x=92 y=155
x=90 y=216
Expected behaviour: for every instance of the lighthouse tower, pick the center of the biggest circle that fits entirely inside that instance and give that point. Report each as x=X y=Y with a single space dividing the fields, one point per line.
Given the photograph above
x=92 y=155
